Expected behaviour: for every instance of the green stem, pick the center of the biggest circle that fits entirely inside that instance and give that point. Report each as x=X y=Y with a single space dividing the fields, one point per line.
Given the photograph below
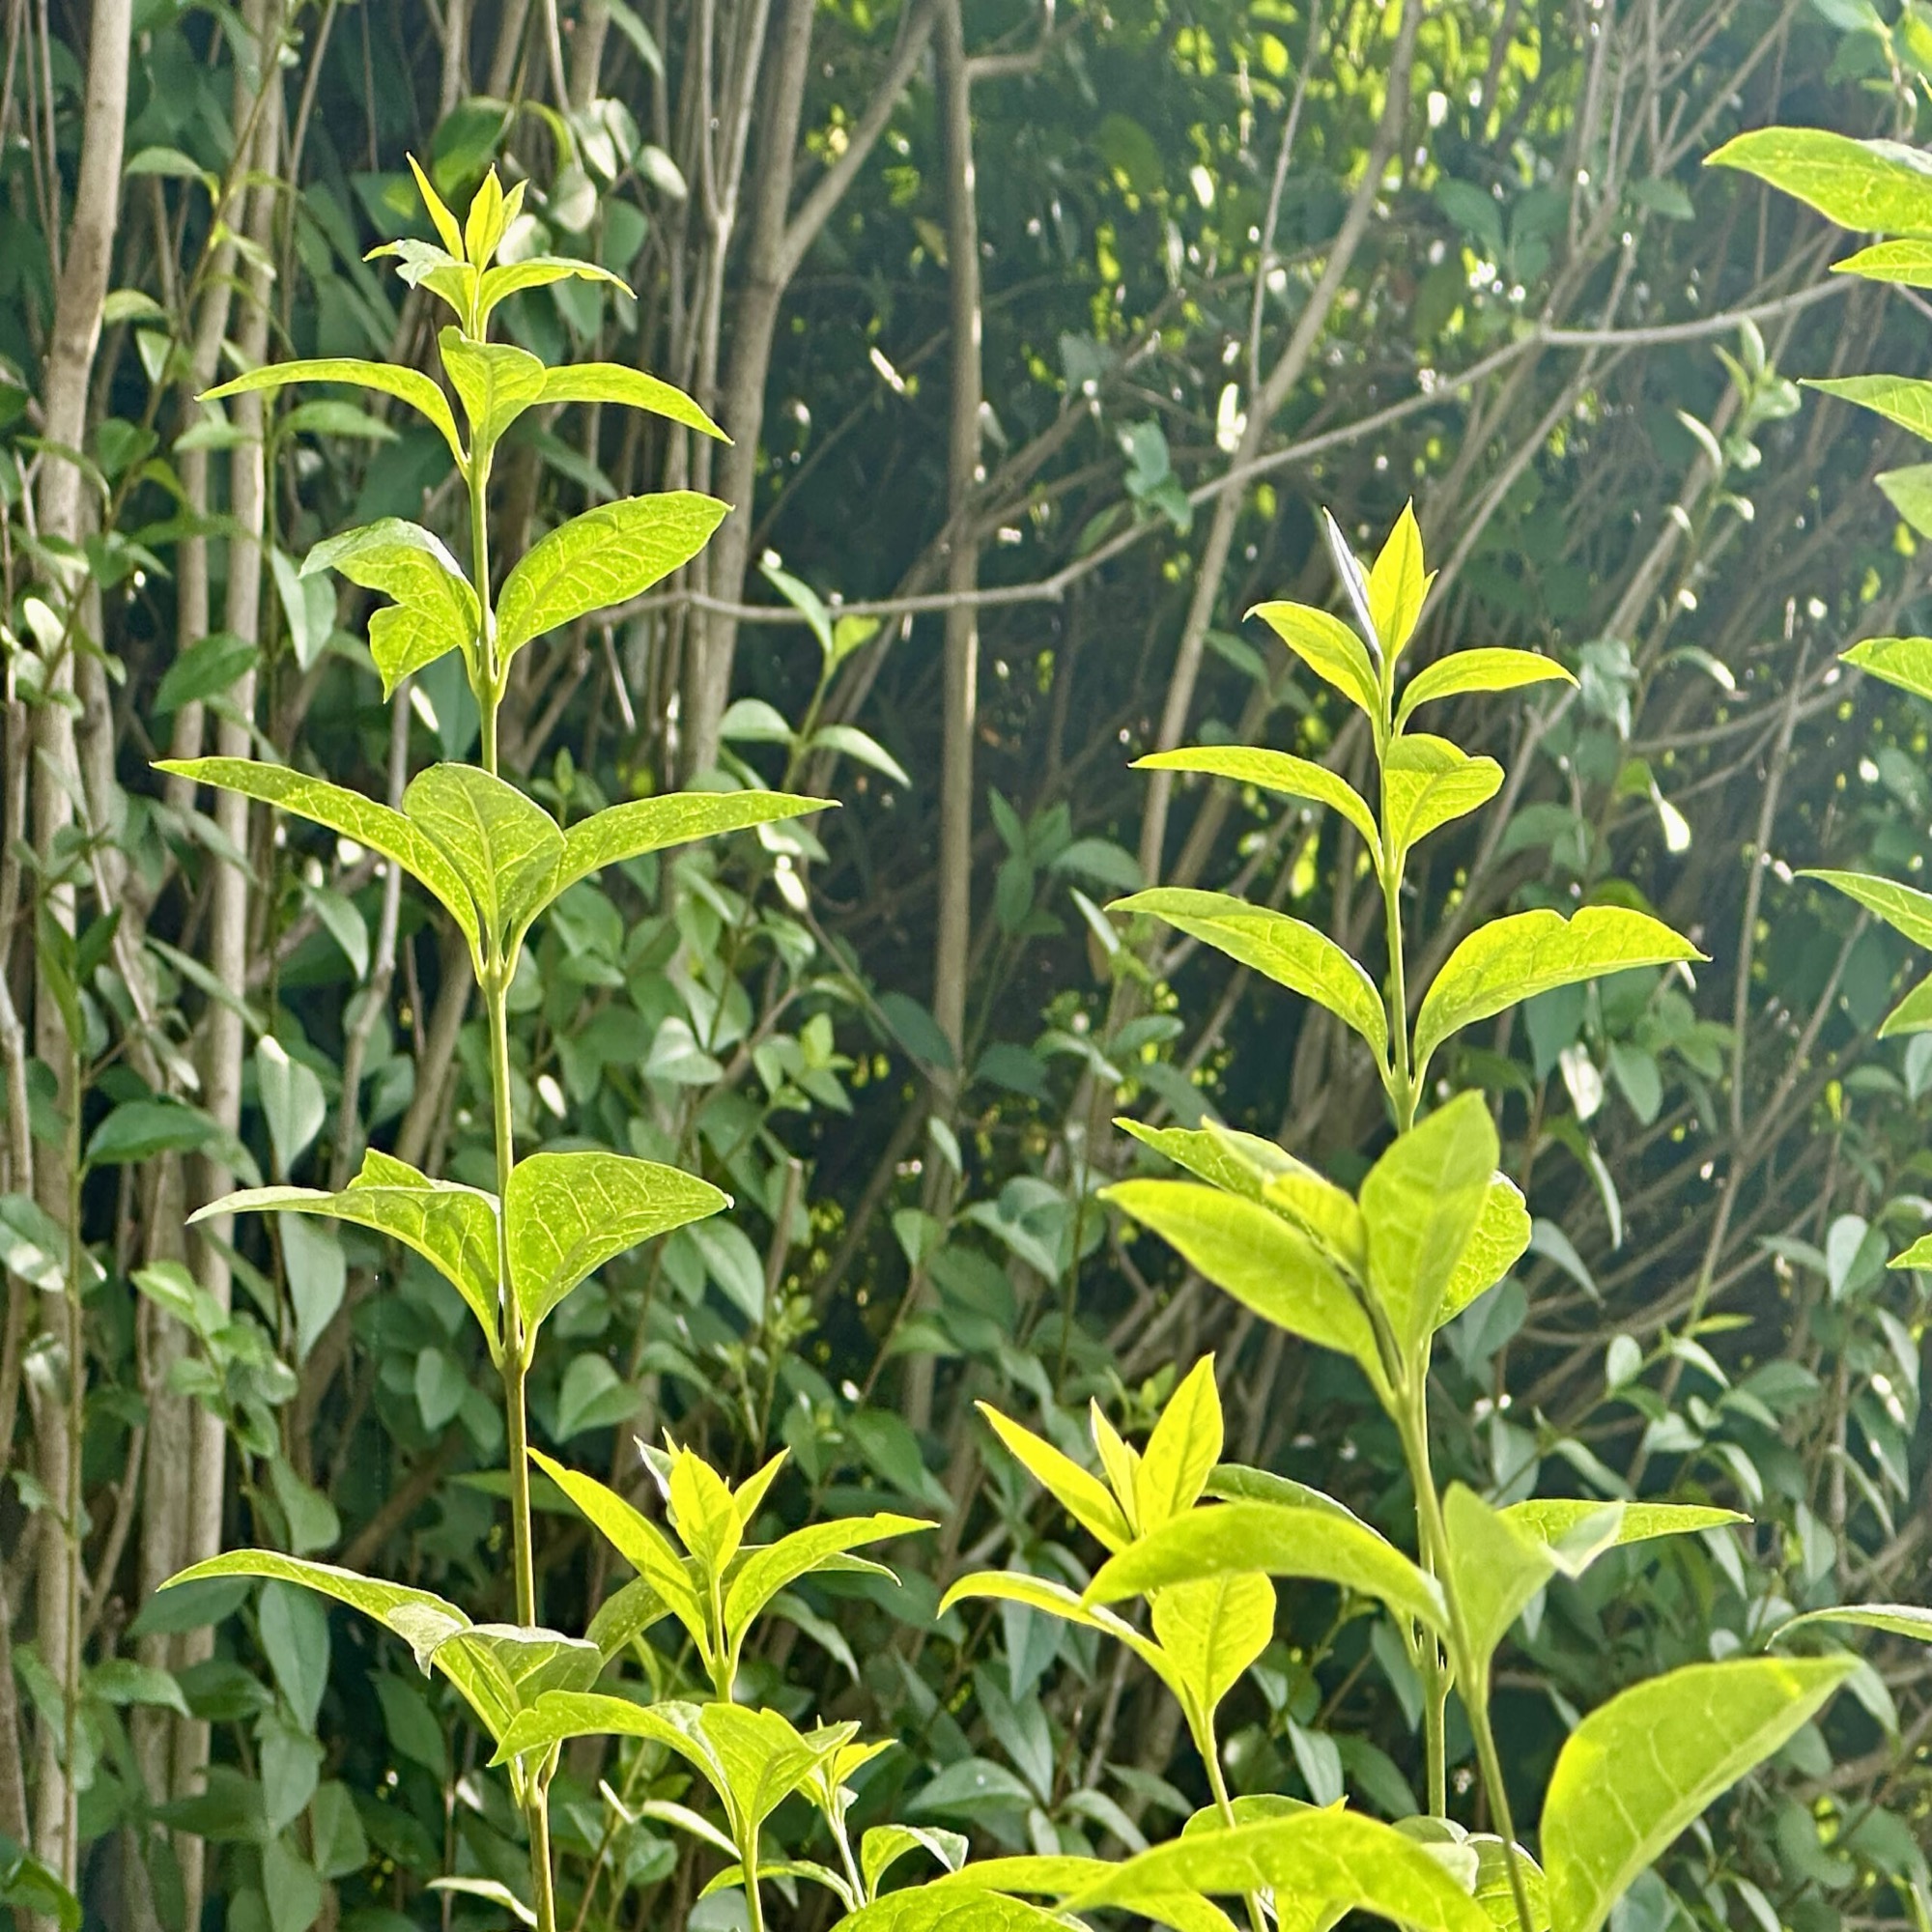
x=485 y=681
x=1435 y=1720
x=536 y=1820
x=755 y=1906
x=1217 y=1783
x=1470 y=1671
x=1402 y=1093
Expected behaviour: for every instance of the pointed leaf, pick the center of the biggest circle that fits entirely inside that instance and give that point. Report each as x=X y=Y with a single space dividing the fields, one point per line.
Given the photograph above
x=1289 y=952
x=765 y=1572
x=1900 y=399
x=569 y=1213
x=1273 y=770
x=1398 y=583
x=1213 y=1630
x=420 y=1617
x=1501 y=1234
x=1640 y=1768
x=1496 y=1566
x=347 y=814
x=1228 y=1159
x=408 y=385
x=1859 y=185
x=1236 y=1483
x=1551 y=1519
x=1329 y=649
x=624 y=1614
x=453 y=1227
x=496 y=381
x=1055 y=1600
x=1339 y=1858
x=609 y=383
x=1427 y=783
x=1906 y=661
x=1491 y=669
x=1182 y=1450
x=1259 y=1258
x=884 y=1845
x=1236 y=1536
x=650 y=824
x=1423 y=1200
x=1911 y=1620
x=1908 y=263
x=945 y=1906
x=1529 y=953
x=501 y=1669
x=539 y=271
x=600 y=558
x=1904 y=908
x=505 y=847
x=1081 y=1496
x=435 y=609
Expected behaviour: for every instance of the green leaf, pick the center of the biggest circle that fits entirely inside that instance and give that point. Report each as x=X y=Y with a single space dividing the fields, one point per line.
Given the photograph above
x=1212 y=1631
x=1910 y=1620
x=1879 y=185
x=674 y=818
x=1397 y=585
x=1423 y=1201
x=1182 y=1450
x=1273 y=770
x=765 y=1572
x=1904 y=908
x=1553 y=1519
x=420 y=1617
x=408 y=385
x=1906 y=661
x=1491 y=669
x=119 y=1680
x=1081 y=1496
x=1907 y=263
x=1899 y=399
x=539 y=271
x=1259 y=1258
x=503 y=1668
x=569 y=1213
x=27 y=1886
x=1501 y=1234
x=1496 y=1565
x=1339 y=1858
x=1529 y=953
x=947 y=1906
x=1640 y=1768
x=1289 y=952
x=1429 y=781
x=640 y=1541
x=435 y=609
x=609 y=383
x=347 y=814
x=1239 y=1163
x=505 y=847
x=493 y=1891
x=496 y=381
x=1329 y=649
x=1231 y=1538
x=600 y=558
x=1236 y=1483
x=453 y=1227
x=885 y=1845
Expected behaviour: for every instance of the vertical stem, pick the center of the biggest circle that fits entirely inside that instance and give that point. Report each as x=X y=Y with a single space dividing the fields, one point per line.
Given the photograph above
x=1217 y=1783
x=76 y=1430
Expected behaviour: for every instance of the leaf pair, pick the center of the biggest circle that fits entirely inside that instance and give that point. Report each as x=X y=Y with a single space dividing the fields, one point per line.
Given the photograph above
x=492 y=857
x=717 y=1585
x=1436 y=1226
x=566 y=1215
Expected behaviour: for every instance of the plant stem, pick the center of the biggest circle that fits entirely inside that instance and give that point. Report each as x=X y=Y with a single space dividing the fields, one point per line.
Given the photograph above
x=1217 y=1783
x=1402 y=1093
x=1470 y=1671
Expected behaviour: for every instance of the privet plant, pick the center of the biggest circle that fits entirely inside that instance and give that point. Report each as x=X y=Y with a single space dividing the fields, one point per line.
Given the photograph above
x=1195 y=1539
x=495 y=859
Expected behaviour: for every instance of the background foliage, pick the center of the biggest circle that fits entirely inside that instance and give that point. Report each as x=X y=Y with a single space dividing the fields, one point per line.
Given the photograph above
x=1040 y=336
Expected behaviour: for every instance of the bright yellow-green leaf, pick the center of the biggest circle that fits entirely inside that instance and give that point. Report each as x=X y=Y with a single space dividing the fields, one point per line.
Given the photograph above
x=1427 y=783
x=1339 y=1858
x=1529 y=953
x=1329 y=649
x=1397 y=585
x=1900 y=399
x=611 y=383
x=435 y=609
x=1258 y=1257
x=1423 y=1201
x=702 y=1512
x=1273 y=770
x=1212 y=1631
x=1905 y=262
x=408 y=385
x=505 y=847
x=453 y=1227
x=496 y=382
x=1906 y=661
x=1501 y=1234
x=1291 y=954
x=1183 y=1448
x=1909 y=1620
x=1222 y=1156
x=1904 y=908
x=1495 y=1566
x=444 y=221
x=347 y=814
x=1055 y=1600
x=1553 y=1518
x=1640 y=1768
x=674 y=819
x=600 y=558
x=569 y=1213
x=765 y=1572
x=1879 y=186
x=1491 y=669
x=1083 y=1497
x=1229 y=1538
